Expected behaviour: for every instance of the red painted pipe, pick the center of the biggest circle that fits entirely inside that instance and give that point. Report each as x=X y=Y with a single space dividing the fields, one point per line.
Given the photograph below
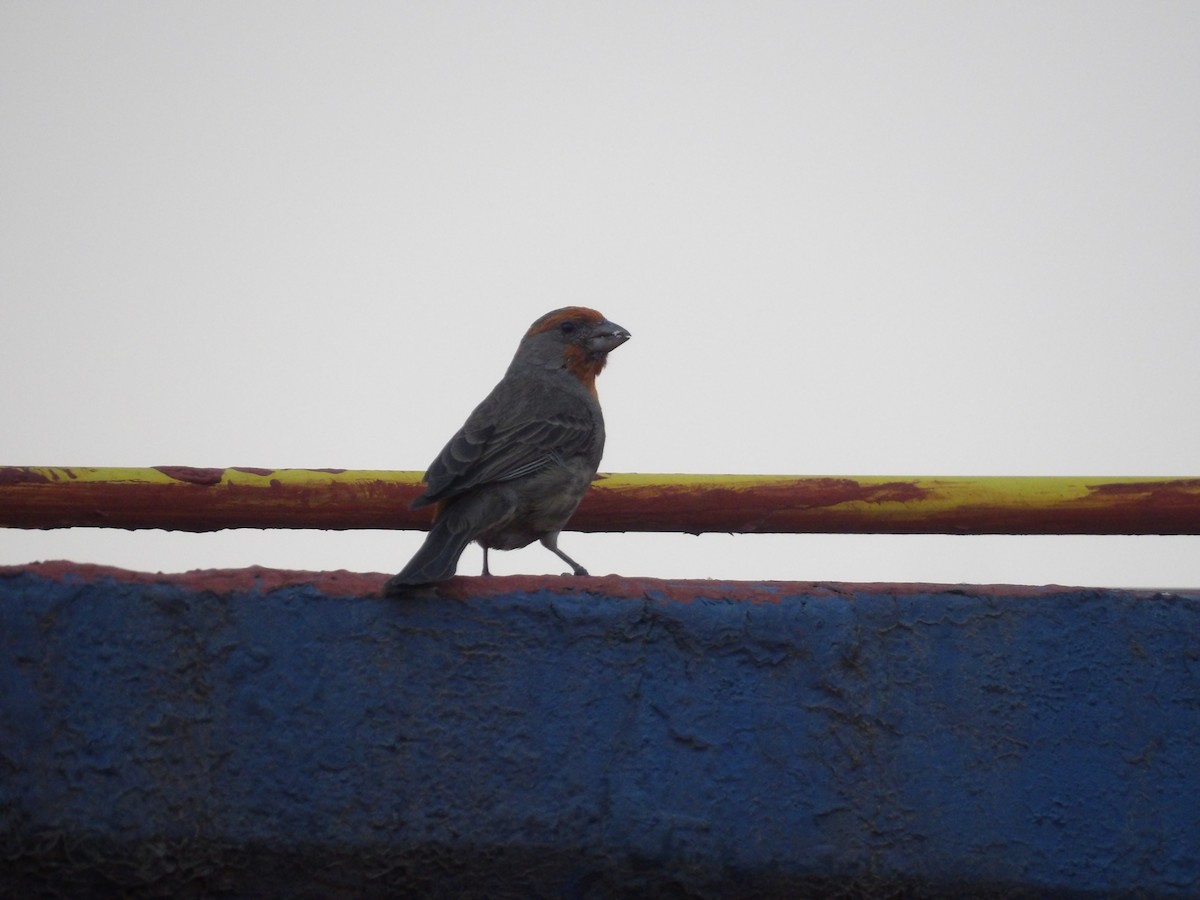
x=190 y=499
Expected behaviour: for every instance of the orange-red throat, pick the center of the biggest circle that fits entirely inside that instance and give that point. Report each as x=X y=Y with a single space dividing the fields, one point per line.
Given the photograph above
x=584 y=366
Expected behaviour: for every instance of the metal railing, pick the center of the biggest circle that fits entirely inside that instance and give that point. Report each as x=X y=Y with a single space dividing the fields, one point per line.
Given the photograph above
x=195 y=499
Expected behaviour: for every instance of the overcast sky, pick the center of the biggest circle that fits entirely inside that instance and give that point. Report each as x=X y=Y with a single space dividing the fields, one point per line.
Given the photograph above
x=848 y=238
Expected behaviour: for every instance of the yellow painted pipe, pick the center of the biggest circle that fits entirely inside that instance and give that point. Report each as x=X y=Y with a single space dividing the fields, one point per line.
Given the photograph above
x=192 y=499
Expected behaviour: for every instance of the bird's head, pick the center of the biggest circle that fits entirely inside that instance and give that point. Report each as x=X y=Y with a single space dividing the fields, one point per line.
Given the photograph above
x=575 y=338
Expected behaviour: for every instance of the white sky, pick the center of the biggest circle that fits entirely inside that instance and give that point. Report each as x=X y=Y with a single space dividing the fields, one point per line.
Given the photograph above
x=849 y=238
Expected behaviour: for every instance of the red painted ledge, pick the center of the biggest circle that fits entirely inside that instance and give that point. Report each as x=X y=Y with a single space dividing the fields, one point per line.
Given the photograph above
x=343 y=583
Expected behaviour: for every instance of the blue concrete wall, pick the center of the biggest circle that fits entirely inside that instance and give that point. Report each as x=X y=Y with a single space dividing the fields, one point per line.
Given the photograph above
x=167 y=739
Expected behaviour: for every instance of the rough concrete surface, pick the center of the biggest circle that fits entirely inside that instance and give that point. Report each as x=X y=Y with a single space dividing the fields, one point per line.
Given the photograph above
x=264 y=733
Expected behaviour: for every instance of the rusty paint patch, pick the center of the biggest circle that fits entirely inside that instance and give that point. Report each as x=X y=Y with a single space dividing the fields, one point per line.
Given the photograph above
x=755 y=507
x=1175 y=486
x=18 y=475
x=192 y=475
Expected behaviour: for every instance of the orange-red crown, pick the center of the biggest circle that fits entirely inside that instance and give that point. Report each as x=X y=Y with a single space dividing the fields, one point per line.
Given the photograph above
x=552 y=320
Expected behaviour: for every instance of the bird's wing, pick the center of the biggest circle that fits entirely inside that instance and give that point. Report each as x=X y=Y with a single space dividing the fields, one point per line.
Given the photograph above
x=485 y=450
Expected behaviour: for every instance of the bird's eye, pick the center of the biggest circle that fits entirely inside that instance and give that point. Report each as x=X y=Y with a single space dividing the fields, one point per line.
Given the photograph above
x=567 y=327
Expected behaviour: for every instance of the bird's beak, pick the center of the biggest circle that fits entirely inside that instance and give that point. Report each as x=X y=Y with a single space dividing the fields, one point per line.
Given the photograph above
x=605 y=337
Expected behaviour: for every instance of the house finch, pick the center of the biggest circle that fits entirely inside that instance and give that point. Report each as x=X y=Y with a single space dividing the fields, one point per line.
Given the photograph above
x=517 y=469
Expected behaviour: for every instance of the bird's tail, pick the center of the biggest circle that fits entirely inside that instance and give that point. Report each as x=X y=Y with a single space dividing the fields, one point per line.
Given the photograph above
x=437 y=558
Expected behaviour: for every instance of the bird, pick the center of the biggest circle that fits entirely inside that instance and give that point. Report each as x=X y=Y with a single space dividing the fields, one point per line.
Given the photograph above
x=517 y=469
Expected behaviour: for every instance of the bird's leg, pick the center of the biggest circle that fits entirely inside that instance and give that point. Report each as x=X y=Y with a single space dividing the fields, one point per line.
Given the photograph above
x=550 y=542
x=485 y=568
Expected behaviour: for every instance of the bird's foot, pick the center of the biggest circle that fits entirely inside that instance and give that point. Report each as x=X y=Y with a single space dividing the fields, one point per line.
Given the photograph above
x=401 y=591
